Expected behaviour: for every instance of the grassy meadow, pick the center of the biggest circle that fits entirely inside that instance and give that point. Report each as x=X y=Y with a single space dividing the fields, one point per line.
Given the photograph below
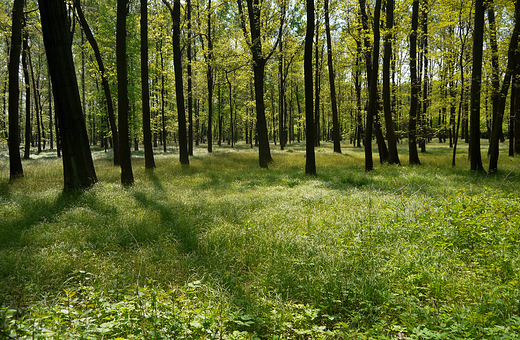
x=225 y=250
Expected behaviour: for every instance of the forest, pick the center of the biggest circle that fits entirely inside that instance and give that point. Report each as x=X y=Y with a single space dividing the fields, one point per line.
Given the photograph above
x=286 y=169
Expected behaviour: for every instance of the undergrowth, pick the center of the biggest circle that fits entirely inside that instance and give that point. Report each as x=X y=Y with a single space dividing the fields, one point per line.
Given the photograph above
x=225 y=250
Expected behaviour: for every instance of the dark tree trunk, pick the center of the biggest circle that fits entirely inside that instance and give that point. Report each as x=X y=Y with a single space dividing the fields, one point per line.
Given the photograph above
x=15 y=161
x=426 y=80
x=310 y=159
x=259 y=61
x=476 y=80
x=28 y=118
x=393 y=157
x=104 y=80
x=497 y=122
x=495 y=66
x=78 y=167
x=335 y=120
x=415 y=87
x=127 y=176
x=179 y=87
x=190 y=81
x=209 y=76
x=149 y=161
x=372 y=108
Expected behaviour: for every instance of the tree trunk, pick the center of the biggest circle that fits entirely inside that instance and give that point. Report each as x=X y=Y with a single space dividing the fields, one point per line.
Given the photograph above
x=190 y=81
x=335 y=120
x=78 y=167
x=372 y=106
x=387 y=86
x=424 y=116
x=28 y=118
x=15 y=161
x=127 y=176
x=415 y=87
x=179 y=87
x=149 y=161
x=209 y=77
x=104 y=80
x=495 y=66
x=497 y=122
x=310 y=160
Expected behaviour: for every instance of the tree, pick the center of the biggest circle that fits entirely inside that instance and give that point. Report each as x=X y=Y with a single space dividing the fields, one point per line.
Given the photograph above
x=498 y=119
x=78 y=167
x=104 y=80
x=335 y=119
x=393 y=157
x=28 y=120
x=179 y=91
x=415 y=87
x=145 y=89
x=476 y=80
x=372 y=101
x=310 y=159
x=259 y=62
x=127 y=176
x=15 y=161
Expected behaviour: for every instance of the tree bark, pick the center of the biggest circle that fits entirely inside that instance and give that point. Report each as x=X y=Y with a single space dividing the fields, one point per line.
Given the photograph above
x=149 y=161
x=415 y=87
x=335 y=120
x=393 y=157
x=310 y=158
x=78 y=167
x=15 y=161
x=104 y=80
x=127 y=176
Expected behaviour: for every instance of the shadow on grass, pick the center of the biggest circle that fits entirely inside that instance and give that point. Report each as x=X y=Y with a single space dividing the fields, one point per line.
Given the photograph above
x=34 y=211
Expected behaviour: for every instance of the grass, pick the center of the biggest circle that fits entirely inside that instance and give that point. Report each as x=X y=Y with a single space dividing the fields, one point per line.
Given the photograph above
x=226 y=250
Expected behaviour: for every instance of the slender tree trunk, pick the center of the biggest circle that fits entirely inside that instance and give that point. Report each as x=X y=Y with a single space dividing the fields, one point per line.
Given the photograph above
x=39 y=124
x=281 y=97
x=149 y=161
x=415 y=87
x=426 y=80
x=28 y=117
x=387 y=86
x=190 y=81
x=495 y=65
x=104 y=80
x=372 y=108
x=15 y=161
x=310 y=160
x=317 y=87
x=179 y=87
x=497 y=122
x=332 y=82
x=78 y=167
x=127 y=176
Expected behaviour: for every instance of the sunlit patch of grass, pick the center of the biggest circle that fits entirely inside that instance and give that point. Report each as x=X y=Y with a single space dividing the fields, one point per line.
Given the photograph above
x=225 y=249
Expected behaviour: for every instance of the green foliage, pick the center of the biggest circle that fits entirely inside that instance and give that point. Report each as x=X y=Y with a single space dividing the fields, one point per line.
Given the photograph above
x=225 y=250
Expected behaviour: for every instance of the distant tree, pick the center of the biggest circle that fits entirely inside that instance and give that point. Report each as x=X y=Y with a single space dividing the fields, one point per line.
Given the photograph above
x=104 y=79
x=27 y=85
x=476 y=80
x=149 y=161
x=127 y=176
x=332 y=82
x=78 y=167
x=15 y=161
x=415 y=87
x=310 y=159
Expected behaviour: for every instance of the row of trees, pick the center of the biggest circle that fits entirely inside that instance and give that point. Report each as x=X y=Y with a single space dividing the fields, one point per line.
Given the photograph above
x=214 y=71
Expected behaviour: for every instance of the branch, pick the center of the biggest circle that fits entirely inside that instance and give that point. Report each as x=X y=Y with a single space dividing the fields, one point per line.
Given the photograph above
x=243 y=22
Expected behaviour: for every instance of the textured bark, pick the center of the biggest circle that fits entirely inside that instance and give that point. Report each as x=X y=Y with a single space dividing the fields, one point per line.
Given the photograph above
x=310 y=158
x=149 y=161
x=78 y=167
x=15 y=161
x=127 y=176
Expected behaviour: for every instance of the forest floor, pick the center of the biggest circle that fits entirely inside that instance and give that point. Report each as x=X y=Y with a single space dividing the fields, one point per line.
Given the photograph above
x=225 y=250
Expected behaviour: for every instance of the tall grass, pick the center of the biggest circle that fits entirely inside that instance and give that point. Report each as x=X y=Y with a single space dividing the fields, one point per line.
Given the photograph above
x=226 y=250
